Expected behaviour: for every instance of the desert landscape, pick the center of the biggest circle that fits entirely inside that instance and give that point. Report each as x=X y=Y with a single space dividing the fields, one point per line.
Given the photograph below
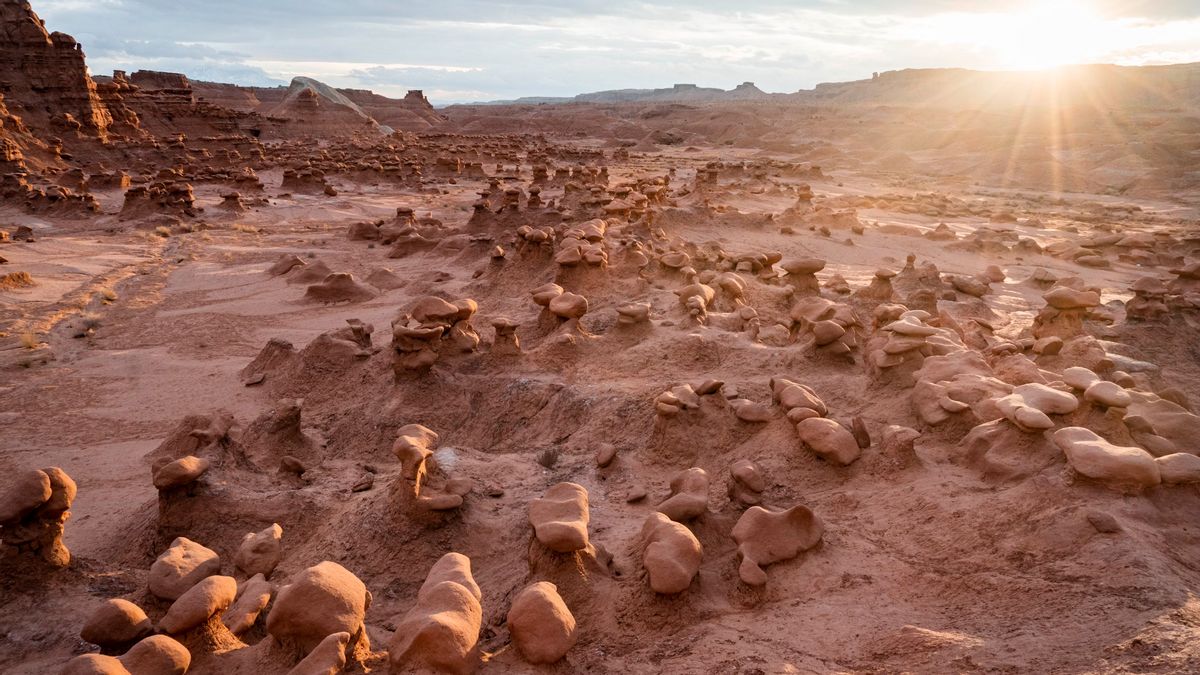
x=886 y=376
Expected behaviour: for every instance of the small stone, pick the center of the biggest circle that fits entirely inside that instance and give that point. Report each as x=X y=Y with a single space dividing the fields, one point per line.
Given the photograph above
x=605 y=454
x=364 y=482
x=1104 y=523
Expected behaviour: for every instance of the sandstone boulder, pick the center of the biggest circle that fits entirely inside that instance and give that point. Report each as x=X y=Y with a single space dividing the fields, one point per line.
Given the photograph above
x=765 y=537
x=210 y=596
x=116 y=623
x=323 y=599
x=1096 y=458
x=829 y=440
x=180 y=472
x=260 y=552
x=253 y=595
x=560 y=518
x=671 y=554
x=440 y=632
x=183 y=565
x=689 y=495
x=157 y=655
x=1179 y=468
x=541 y=624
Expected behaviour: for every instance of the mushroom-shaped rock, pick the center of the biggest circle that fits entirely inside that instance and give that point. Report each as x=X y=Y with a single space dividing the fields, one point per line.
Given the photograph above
x=765 y=537
x=542 y=295
x=116 y=623
x=1029 y=406
x=1065 y=297
x=560 y=518
x=689 y=495
x=803 y=266
x=880 y=287
x=259 y=552
x=696 y=298
x=180 y=472
x=211 y=596
x=183 y=565
x=506 y=343
x=827 y=332
x=23 y=493
x=671 y=554
x=633 y=313
x=1066 y=308
x=34 y=505
x=325 y=598
x=802 y=274
x=1147 y=303
x=910 y=325
x=541 y=624
x=746 y=482
x=440 y=632
x=253 y=595
x=434 y=310
x=568 y=305
x=414 y=443
x=1094 y=457
x=829 y=440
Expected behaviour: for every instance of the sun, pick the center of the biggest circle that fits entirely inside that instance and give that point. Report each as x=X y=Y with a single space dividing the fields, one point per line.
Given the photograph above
x=1048 y=34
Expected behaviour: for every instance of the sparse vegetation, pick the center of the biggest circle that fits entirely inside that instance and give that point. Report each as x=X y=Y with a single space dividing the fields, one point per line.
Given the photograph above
x=548 y=457
x=86 y=324
x=29 y=341
x=17 y=280
x=242 y=227
x=162 y=231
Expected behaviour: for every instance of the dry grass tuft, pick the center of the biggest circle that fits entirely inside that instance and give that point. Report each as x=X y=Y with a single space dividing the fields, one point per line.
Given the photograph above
x=548 y=457
x=17 y=280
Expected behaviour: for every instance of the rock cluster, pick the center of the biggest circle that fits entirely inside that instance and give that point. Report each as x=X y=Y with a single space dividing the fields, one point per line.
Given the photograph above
x=431 y=328
x=34 y=506
x=422 y=483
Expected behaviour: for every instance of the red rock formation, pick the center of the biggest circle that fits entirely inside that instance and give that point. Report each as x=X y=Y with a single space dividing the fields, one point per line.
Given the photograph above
x=45 y=81
x=411 y=113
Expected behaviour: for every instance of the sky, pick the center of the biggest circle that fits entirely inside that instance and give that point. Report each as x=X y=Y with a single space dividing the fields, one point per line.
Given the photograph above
x=479 y=50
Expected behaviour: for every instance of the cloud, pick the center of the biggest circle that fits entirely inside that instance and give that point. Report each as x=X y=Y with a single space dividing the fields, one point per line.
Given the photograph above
x=484 y=49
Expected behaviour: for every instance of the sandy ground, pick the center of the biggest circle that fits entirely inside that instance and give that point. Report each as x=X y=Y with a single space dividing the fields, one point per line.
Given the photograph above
x=925 y=568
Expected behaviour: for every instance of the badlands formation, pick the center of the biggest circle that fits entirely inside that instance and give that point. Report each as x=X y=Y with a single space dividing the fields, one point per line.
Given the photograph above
x=307 y=380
